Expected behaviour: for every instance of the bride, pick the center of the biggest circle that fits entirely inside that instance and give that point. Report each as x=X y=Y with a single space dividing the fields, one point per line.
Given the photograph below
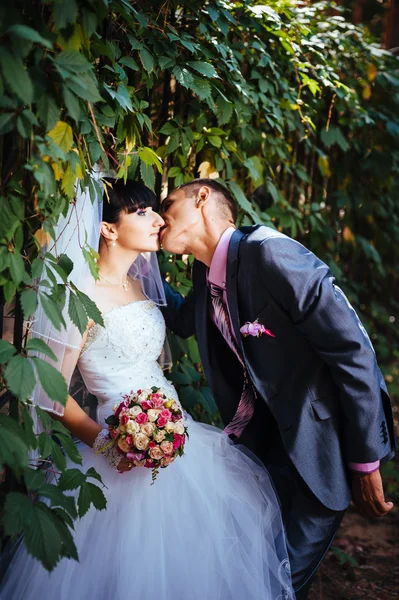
x=210 y=527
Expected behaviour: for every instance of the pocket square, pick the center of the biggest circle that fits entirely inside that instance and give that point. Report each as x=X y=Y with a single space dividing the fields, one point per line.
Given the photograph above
x=255 y=329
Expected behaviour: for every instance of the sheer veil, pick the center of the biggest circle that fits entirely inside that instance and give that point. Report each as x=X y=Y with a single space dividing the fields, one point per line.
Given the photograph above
x=75 y=235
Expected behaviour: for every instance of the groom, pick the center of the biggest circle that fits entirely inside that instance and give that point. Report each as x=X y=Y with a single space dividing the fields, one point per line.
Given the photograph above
x=289 y=363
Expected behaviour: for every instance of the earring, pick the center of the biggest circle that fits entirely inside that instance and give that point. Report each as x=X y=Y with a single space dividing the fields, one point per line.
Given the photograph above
x=114 y=242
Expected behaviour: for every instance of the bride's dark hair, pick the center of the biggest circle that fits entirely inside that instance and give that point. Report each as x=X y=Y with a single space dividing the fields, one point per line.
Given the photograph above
x=127 y=197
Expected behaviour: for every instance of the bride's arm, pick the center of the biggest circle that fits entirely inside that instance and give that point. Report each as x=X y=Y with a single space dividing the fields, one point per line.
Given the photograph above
x=80 y=424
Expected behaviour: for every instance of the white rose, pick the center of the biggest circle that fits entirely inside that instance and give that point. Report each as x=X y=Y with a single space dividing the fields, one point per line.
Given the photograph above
x=115 y=406
x=134 y=411
x=175 y=407
x=143 y=396
x=160 y=436
x=132 y=427
x=179 y=427
x=147 y=429
x=153 y=413
x=170 y=427
x=141 y=441
x=156 y=453
x=123 y=445
x=122 y=428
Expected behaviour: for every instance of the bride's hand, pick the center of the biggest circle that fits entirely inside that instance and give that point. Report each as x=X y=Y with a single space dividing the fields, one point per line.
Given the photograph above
x=125 y=465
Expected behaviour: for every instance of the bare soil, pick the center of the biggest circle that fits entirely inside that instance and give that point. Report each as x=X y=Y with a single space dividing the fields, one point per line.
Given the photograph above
x=364 y=561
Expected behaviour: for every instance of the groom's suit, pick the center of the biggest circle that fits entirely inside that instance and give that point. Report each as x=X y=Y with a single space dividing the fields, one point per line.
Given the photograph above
x=322 y=401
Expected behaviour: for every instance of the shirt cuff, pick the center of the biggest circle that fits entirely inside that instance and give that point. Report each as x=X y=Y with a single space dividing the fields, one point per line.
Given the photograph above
x=365 y=467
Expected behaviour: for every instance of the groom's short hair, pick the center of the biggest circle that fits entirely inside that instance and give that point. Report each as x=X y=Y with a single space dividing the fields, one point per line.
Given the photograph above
x=223 y=197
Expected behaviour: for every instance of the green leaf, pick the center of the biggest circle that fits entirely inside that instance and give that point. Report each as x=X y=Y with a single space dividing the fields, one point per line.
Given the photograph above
x=13 y=447
x=41 y=536
x=51 y=380
x=45 y=445
x=73 y=61
x=90 y=494
x=242 y=200
x=77 y=312
x=65 y=13
x=90 y=308
x=146 y=59
x=20 y=377
x=129 y=62
x=39 y=345
x=52 y=310
x=203 y=68
x=58 y=456
x=174 y=171
x=85 y=87
x=71 y=479
x=62 y=135
x=7 y=350
x=27 y=33
x=34 y=478
x=9 y=291
x=58 y=498
x=16 y=76
x=48 y=111
x=72 y=104
x=17 y=511
x=147 y=175
x=44 y=417
x=28 y=426
x=201 y=87
x=17 y=267
x=183 y=76
x=93 y=473
x=150 y=158
x=215 y=140
x=29 y=302
x=69 y=447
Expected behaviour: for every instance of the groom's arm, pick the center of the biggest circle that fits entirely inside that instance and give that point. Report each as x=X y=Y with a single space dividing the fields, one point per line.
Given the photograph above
x=304 y=287
x=179 y=312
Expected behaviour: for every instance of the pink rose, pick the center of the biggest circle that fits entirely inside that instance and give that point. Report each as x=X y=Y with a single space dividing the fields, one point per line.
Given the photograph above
x=142 y=418
x=157 y=401
x=114 y=434
x=124 y=420
x=162 y=421
x=166 y=414
x=136 y=456
x=167 y=447
x=178 y=440
x=146 y=405
x=129 y=440
x=152 y=445
x=176 y=418
x=149 y=464
x=255 y=329
x=121 y=407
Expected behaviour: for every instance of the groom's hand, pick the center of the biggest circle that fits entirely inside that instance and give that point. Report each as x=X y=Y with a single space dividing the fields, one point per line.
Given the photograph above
x=368 y=494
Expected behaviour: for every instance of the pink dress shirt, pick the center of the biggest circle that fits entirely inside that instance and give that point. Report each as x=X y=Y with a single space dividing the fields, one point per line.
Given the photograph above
x=217 y=276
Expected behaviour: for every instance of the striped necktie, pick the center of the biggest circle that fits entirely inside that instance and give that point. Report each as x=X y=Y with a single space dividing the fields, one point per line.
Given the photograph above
x=245 y=409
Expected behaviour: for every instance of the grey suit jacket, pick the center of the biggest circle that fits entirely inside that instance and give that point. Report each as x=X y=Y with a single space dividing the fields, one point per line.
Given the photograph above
x=318 y=375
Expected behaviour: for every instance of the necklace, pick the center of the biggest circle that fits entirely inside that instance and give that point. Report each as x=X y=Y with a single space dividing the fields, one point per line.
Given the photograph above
x=124 y=285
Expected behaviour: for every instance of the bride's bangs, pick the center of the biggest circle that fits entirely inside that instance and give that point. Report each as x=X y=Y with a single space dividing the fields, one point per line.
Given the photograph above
x=130 y=197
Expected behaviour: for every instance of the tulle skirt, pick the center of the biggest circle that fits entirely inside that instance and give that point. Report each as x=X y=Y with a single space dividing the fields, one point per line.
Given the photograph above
x=209 y=529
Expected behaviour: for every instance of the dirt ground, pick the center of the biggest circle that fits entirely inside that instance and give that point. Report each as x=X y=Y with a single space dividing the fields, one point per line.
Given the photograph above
x=364 y=561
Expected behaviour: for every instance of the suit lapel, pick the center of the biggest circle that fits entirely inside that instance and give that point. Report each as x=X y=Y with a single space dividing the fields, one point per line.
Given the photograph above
x=231 y=284
x=201 y=314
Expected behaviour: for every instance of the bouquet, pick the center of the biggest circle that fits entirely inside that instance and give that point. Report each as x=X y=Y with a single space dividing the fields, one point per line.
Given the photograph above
x=148 y=428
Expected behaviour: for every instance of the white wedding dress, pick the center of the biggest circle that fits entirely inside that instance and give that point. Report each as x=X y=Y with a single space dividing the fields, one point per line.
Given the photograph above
x=208 y=529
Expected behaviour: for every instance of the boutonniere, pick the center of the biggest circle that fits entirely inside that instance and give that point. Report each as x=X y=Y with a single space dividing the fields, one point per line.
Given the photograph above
x=255 y=329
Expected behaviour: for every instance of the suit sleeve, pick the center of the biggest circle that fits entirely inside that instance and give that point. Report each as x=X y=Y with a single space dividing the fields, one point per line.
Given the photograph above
x=305 y=289
x=179 y=313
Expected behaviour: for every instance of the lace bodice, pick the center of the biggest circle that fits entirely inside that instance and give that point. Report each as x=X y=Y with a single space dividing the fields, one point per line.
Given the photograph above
x=123 y=355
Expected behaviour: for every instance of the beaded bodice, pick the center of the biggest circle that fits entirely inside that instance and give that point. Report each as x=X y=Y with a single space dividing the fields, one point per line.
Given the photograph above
x=123 y=355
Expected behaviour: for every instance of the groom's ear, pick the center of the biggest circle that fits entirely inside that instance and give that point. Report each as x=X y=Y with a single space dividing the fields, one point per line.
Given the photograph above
x=202 y=196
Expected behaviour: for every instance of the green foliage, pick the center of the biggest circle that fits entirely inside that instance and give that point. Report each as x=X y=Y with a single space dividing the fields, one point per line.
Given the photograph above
x=292 y=106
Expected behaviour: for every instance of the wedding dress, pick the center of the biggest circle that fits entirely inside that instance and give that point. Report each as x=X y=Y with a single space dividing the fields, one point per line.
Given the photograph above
x=208 y=529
